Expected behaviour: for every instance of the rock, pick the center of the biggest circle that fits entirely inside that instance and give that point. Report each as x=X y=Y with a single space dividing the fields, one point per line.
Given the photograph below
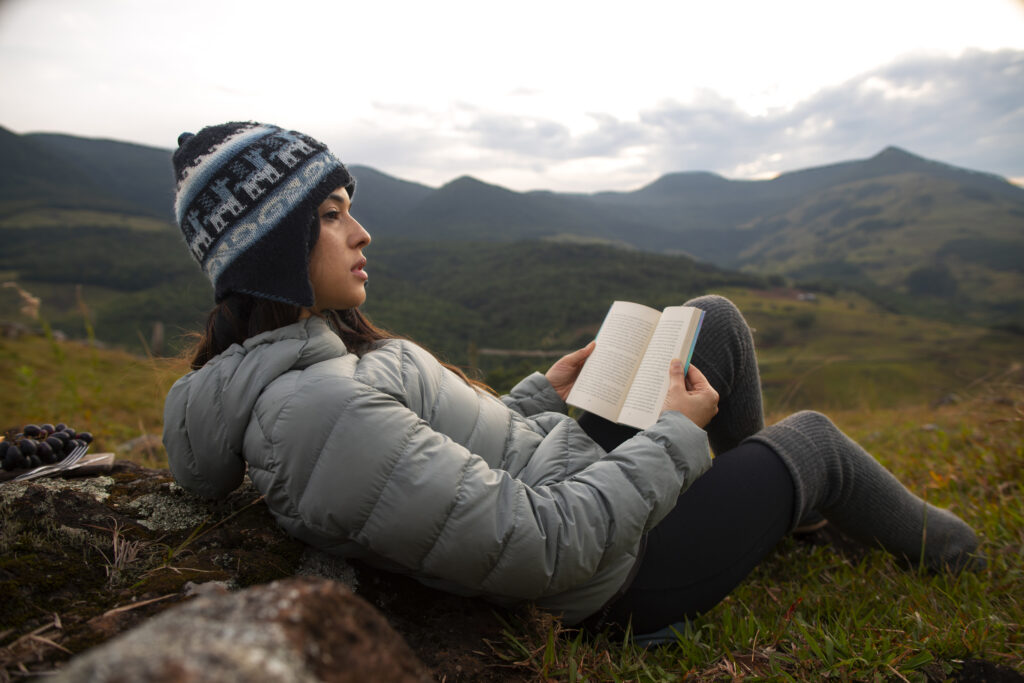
x=303 y=629
x=318 y=563
x=89 y=559
x=192 y=589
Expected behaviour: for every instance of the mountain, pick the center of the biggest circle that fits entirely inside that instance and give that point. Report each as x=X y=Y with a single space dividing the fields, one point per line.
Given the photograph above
x=382 y=199
x=920 y=235
x=141 y=177
x=43 y=170
x=915 y=234
x=31 y=175
x=890 y=161
x=703 y=214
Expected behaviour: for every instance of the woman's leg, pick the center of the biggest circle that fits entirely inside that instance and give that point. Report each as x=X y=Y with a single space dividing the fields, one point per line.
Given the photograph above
x=720 y=529
x=833 y=475
x=725 y=354
x=734 y=514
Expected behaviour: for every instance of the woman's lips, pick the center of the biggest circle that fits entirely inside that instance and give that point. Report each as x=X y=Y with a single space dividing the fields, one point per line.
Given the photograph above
x=358 y=271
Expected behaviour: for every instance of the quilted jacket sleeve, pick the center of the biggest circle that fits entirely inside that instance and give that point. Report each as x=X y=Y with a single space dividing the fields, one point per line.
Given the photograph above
x=534 y=394
x=383 y=478
x=213 y=466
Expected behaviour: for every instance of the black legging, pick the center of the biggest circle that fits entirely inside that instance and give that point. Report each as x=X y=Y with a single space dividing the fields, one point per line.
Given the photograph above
x=719 y=530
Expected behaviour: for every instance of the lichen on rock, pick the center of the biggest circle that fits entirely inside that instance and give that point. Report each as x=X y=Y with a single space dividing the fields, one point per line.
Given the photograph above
x=68 y=586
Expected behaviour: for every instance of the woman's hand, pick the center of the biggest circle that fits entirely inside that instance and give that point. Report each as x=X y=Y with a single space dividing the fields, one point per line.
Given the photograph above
x=564 y=372
x=692 y=395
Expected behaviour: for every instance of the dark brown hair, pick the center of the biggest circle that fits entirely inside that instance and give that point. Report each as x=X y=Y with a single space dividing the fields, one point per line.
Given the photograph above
x=240 y=316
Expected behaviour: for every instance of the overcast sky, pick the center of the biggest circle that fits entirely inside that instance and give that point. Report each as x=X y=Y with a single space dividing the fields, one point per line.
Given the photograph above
x=535 y=94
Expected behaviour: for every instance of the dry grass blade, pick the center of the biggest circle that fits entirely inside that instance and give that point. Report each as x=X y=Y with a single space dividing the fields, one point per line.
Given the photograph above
x=123 y=552
x=28 y=647
x=136 y=605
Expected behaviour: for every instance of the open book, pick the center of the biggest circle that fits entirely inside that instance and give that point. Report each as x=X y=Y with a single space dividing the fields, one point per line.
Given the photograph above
x=625 y=380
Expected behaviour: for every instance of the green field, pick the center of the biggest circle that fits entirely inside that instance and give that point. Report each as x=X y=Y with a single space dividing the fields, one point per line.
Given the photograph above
x=821 y=352
x=844 y=352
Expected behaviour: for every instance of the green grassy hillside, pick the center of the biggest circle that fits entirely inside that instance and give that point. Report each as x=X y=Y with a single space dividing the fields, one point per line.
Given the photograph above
x=846 y=352
x=524 y=295
x=116 y=395
x=832 y=352
x=810 y=611
x=129 y=274
x=929 y=243
x=450 y=296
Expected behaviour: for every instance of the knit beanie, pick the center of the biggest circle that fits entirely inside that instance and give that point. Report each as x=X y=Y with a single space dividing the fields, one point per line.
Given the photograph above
x=246 y=201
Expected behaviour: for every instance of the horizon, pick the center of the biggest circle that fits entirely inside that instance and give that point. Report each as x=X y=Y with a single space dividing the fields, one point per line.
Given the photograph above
x=1018 y=182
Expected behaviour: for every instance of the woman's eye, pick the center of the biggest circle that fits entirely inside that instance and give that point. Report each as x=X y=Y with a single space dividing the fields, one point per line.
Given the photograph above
x=330 y=215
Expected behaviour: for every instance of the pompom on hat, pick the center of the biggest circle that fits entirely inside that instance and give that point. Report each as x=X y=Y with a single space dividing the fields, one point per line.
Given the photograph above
x=246 y=200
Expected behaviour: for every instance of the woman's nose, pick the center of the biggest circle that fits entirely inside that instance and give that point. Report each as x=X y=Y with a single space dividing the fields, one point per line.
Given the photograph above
x=360 y=237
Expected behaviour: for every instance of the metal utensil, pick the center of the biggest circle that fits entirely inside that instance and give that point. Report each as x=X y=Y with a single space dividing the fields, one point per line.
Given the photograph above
x=72 y=457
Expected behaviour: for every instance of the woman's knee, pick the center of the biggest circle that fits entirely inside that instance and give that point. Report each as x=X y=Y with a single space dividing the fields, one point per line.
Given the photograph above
x=712 y=303
x=809 y=419
x=719 y=311
x=723 y=325
x=814 y=426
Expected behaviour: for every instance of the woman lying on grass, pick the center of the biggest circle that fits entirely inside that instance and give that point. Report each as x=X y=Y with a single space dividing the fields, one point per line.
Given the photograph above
x=368 y=447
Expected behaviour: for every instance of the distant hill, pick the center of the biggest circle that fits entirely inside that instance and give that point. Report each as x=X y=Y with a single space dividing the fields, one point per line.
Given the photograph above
x=43 y=170
x=139 y=176
x=914 y=234
x=383 y=199
x=31 y=175
x=922 y=238
x=917 y=235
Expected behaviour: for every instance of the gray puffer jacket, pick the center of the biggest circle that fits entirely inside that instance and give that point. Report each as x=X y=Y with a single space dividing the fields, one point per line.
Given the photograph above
x=393 y=459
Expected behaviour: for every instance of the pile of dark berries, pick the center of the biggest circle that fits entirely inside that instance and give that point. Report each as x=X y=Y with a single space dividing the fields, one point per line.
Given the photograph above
x=37 y=445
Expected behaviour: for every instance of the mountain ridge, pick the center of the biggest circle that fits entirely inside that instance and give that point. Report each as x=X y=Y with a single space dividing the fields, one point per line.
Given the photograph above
x=898 y=223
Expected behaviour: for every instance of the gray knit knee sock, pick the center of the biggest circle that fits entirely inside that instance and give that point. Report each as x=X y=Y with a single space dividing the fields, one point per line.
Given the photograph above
x=835 y=476
x=725 y=354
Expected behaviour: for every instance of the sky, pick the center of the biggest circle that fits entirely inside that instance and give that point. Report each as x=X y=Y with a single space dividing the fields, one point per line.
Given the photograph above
x=535 y=94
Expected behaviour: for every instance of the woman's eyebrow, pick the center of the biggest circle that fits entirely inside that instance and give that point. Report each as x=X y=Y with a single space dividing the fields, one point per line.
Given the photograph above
x=338 y=198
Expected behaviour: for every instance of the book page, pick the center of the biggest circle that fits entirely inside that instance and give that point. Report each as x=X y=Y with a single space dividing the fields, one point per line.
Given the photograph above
x=602 y=385
x=673 y=338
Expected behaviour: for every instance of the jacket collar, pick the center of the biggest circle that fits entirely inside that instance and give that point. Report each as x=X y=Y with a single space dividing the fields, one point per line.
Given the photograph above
x=321 y=342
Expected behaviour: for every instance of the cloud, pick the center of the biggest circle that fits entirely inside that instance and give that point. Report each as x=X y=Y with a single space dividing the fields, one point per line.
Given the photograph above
x=525 y=136
x=548 y=140
x=966 y=110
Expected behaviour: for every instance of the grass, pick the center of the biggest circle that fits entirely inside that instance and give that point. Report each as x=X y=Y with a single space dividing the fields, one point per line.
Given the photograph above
x=123 y=552
x=843 y=352
x=116 y=395
x=48 y=218
x=809 y=612
x=812 y=613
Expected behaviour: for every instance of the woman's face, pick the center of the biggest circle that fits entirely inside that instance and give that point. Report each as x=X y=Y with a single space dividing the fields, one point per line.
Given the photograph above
x=336 y=263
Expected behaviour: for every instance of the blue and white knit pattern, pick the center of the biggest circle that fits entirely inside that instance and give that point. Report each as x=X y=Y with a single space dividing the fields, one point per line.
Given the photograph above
x=232 y=194
x=273 y=208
